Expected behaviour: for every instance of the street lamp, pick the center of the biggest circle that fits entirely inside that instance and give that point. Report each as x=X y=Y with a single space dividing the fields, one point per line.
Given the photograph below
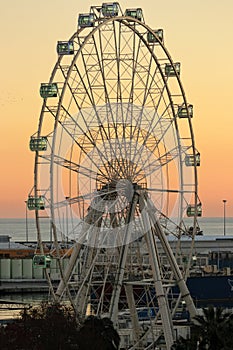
x=26 y=218
x=67 y=220
x=224 y=217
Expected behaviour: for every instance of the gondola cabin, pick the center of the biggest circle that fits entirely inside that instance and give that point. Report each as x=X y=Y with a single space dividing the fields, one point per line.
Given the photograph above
x=38 y=143
x=36 y=203
x=48 y=90
x=192 y=159
x=134 y=13
x=172 y=70
x=41 y=261
x=65 y=48
x=86 y=20
x=193 y=210
x=183 y=112
x=156 y=37
x=110 y=9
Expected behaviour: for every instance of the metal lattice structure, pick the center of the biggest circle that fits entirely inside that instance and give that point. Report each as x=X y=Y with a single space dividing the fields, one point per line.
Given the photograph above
x=116 y=172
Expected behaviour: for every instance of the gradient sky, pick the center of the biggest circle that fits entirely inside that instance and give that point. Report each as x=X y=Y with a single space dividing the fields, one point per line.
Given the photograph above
x=197 y=33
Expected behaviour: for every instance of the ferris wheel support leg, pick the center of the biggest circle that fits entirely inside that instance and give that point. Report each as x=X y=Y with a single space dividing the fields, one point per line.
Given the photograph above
x=185 y=294
x=133 y=312
x=82 y=298
x=161 y=297
x=74 y=256
x=113 y=310
x=68 y=271
x=92 y=224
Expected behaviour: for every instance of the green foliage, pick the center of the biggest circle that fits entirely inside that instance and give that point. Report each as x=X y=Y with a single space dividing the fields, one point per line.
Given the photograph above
x=100 y=330
x=54 y=326
x=213 y=329
x=46 y=327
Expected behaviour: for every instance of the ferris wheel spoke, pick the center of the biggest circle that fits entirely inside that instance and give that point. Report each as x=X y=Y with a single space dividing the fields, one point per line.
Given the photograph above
x=79 y=85
x=151 y=83
x=158 y=163
x=117 y=40
x=75 y=136
x=156 y=130
x=104 y=74
x=103 y=132
x=142 y=70
x=131 y=94
x=135 y=53
x=167 y=190
x=166 y=156
x=72 y=166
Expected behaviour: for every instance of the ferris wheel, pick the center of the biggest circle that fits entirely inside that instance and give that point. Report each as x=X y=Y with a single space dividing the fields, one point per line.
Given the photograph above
x=116 y=173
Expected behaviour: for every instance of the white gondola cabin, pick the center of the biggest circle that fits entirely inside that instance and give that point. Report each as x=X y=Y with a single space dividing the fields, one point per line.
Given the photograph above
x=153 y=39
x=110 y=9
x=38 y=143
x=65 y=48
x=192 y=159
x=134 y=13
x=193 y=210
x=172 y=70
x=86 y=20
x=41 y=261
x=36 y=203
x=48 y=90
x=184 y=112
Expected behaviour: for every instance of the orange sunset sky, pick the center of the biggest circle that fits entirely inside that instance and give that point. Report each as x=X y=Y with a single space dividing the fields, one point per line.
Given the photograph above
x=197 y=33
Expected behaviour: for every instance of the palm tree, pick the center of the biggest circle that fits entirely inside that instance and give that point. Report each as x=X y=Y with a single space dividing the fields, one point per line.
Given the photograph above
x=97 y=333
x=210 y=326
x=226 y=332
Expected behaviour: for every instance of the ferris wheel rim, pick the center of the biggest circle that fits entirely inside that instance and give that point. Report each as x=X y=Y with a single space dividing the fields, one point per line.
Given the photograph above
x=60 y=105
x=124 y=20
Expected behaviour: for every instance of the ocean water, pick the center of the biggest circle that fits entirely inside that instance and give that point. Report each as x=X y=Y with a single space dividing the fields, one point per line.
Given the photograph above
x=22 y=230
x=19 y=230
x=215 y=226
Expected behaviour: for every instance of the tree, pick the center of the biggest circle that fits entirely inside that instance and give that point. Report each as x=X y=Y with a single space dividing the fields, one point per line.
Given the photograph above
x=44 y=327
x=55 y=327
x=209 y=328
x=97 y=333
x=226 y=331
x=212 y=330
